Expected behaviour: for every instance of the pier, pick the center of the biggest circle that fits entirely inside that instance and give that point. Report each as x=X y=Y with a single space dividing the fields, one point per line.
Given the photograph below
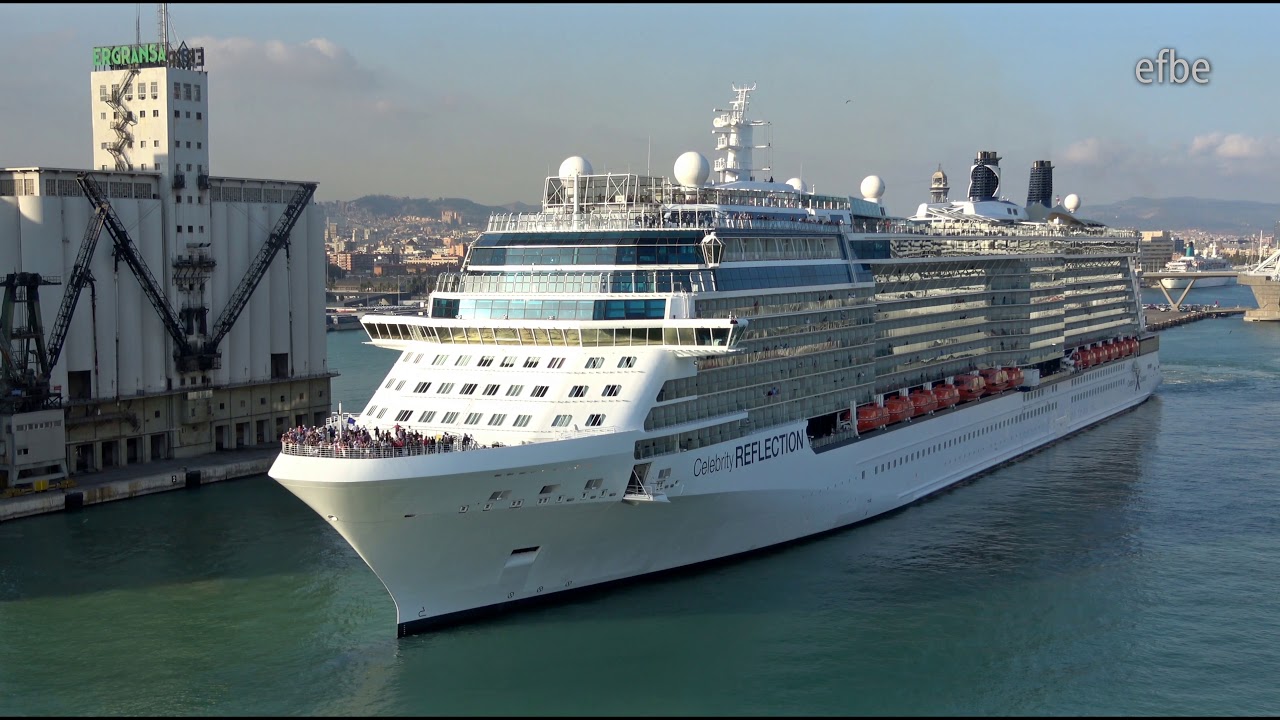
x=1264 y=281
x=137 y=480
x=1164 y=319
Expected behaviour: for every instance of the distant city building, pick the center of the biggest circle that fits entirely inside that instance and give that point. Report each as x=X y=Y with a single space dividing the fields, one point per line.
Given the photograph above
x=354 y=262
x=1155 y=249
x=426 y=263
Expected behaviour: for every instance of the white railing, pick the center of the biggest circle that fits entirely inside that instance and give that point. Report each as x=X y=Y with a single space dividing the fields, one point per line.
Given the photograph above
x=683 y=219
x=342 y=452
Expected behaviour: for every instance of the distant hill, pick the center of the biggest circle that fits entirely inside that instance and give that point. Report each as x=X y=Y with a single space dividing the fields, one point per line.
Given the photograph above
x=1229 y=217
x=387 y=206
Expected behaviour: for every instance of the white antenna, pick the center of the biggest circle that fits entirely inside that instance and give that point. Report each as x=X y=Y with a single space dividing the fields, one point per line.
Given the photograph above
x=163 y=11
x=648 y=154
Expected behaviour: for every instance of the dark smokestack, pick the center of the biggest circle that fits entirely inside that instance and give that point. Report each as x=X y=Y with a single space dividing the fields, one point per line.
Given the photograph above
x=1040 y=189
x=984 y=176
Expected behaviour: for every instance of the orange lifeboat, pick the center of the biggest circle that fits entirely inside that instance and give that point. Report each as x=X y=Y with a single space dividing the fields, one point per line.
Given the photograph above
x=922 y=402
x=970 y=387
x=1133 y=346
x=1015 y=376
x=947 y=395
x=1113 y=351
x=899 y=408
x=1091 y=357
x=871 y=417
x=995 y=380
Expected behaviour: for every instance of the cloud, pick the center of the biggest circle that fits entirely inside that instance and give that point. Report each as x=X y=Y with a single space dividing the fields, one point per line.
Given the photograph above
x=1226 y=151
x=318 y=62
x=1084 y=152
x=1234 y=146
x=1097 y=153
x=1201 y=144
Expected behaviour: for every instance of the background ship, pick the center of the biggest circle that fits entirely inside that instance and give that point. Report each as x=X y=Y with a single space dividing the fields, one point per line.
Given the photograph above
x=1194 y=263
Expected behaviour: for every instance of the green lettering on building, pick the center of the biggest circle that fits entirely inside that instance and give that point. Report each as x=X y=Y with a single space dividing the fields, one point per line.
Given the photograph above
x=114 y=56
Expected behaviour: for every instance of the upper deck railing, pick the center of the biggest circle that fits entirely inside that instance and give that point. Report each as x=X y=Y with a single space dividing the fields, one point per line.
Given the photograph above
x=671 y=220
x=710 y=220
x=634 y=202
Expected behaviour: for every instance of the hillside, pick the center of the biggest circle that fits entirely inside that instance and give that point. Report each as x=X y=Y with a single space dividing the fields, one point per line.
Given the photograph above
x=1229 y=217
x=385 y=206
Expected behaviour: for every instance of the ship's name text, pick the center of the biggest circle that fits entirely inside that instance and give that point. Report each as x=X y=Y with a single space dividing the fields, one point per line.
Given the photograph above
x=752 y=452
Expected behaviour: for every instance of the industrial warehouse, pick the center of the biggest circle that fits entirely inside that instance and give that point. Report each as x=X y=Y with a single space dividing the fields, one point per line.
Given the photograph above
x=152 y=309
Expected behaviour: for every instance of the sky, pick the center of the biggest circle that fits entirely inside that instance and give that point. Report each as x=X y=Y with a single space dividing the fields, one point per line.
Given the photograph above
x=484 y=101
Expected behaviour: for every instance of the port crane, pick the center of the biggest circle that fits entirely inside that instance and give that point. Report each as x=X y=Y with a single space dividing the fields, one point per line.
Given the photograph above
x=27 y=359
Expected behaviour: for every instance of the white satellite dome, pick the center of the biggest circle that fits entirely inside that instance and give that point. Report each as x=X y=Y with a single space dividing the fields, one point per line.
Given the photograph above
x=576 y=165
x=872 y=188
x=1071 y=202
x=692 y=169
x=798 y=185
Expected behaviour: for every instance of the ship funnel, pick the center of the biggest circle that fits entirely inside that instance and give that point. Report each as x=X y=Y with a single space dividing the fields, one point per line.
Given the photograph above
x=984 y=176
x=1040 y=189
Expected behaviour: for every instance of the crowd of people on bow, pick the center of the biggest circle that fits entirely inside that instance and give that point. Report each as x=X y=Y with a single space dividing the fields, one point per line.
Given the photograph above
x=339 y=437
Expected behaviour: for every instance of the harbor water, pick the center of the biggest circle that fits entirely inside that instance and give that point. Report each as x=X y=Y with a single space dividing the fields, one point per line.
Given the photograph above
x=1132 y=569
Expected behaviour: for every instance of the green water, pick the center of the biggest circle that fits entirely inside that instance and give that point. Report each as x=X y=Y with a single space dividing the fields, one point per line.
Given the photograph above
x=1132 y=569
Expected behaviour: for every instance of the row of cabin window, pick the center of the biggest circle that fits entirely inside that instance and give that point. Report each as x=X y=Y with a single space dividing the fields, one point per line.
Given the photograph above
x=495 y=420
x=910 y=457
x=491 y=389
x=510 y=361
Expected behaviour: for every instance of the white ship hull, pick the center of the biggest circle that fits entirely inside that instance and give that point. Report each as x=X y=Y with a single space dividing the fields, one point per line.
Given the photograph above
x=1206 y=282
x=430 y=530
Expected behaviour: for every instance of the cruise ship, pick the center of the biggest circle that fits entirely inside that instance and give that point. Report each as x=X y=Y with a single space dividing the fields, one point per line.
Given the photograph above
x=650 y=373
x=1192 y=262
